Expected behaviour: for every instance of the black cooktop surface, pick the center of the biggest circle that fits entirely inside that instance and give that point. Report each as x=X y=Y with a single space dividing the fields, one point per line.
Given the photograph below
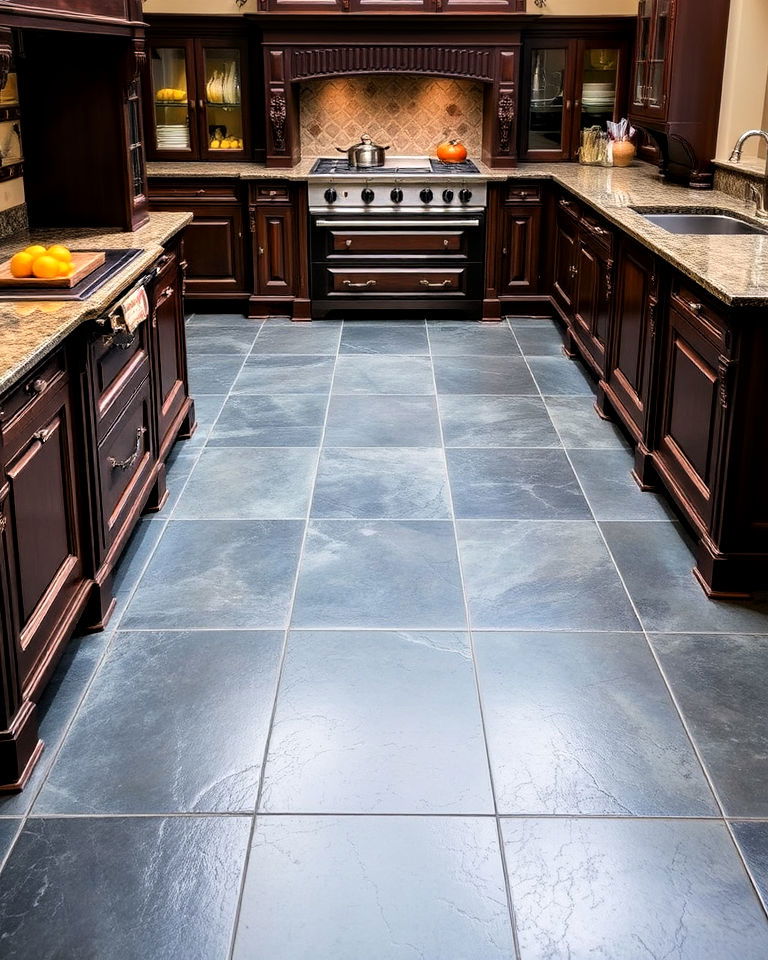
x=332 y=167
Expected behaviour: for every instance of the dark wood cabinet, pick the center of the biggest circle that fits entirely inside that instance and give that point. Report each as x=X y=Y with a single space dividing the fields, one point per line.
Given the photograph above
x=214 y=243
x=280 y=241
x=565 y=248
x=677 y=80
x=274 y=230
x=95 y=15
x=593 y=300
x=629 y=369
x=169 y=352
x=519 y=249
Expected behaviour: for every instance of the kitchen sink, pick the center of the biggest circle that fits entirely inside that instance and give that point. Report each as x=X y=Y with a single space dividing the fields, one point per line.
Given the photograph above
x=704 y=223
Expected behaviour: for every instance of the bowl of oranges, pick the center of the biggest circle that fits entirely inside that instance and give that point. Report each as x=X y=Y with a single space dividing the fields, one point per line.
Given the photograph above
x=54 y=266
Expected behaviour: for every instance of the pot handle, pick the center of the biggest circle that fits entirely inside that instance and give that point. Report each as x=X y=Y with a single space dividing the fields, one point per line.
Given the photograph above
x=343 y=149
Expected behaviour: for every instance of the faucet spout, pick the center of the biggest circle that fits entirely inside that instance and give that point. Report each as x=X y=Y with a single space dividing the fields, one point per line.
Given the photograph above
x=736 y=152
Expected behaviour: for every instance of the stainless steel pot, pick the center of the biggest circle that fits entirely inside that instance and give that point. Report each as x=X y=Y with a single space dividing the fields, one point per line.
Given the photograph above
x=364 y=154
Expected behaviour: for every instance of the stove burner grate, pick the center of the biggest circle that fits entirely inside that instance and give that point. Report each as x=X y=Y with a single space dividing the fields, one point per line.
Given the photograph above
x=330 y=166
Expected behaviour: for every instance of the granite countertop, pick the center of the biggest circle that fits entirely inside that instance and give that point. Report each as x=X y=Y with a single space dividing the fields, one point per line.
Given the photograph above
x=733 y=269
x=29 y=329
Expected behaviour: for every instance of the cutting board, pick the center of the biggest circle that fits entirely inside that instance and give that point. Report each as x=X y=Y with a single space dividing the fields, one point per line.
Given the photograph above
x=85 y=263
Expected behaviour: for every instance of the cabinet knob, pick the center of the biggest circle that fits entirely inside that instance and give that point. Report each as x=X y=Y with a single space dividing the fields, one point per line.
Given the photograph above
x=42 y=435
x=695 y=307
x=36 y=387
x=261 y=251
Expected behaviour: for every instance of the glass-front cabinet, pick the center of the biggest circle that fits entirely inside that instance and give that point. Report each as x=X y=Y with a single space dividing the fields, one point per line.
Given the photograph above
x=198 y=102
x=573 y=84
x=655 y=27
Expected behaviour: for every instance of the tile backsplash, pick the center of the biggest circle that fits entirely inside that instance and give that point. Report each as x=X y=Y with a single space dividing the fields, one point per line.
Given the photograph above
x=411 y=113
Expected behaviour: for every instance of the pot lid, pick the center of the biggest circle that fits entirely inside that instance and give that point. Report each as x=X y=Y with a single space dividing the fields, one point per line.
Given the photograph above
x=365 y=141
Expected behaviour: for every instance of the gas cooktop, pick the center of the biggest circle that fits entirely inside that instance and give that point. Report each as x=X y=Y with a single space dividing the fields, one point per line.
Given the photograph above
x=394 y=167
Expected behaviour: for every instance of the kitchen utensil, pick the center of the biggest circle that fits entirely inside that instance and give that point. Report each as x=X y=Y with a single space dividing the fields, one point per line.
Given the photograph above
x=85 y=262
x=364 y=154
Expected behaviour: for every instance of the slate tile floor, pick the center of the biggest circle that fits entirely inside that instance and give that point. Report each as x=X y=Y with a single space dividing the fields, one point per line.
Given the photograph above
x=407 y=667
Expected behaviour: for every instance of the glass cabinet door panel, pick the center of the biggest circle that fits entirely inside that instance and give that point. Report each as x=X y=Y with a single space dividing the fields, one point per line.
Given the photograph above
x=546 y=110
x=599 y=81
x=222 y=76
x=659 y=52
x=642 y=52
x=171 y=99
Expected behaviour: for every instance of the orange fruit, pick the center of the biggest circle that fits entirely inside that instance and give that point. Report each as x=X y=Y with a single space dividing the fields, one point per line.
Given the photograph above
x=60 y=252
x=21 y=265
x=35 y=250
x=64 y=268
x=46 y=268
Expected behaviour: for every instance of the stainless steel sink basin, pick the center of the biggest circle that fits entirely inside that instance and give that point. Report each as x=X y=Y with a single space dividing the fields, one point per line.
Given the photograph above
x=707 y=224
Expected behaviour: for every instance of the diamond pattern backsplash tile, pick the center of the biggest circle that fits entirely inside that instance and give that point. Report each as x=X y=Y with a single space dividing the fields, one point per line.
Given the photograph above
x=411 y=113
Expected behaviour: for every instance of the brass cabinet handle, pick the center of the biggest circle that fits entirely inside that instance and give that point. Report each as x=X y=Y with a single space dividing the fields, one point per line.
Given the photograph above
x=694 y=307
x=440 y=286
x=129 y=461
x=42 y=435
x=446 y=243
x=573 y=271
x=368 y=283
x=36 y=387
x=347 y=243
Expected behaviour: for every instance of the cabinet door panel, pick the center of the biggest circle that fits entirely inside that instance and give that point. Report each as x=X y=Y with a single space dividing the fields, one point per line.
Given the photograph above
x=213 y=247
x=520 y=250
x=549 y=84
x=168 y=360
x=566 y=231
x=591 y=316
x=276 y=251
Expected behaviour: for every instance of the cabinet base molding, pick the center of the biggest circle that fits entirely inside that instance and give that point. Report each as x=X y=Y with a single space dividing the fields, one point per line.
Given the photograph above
x=262 y=308
x=729 y=576
x=644 y=471
x=20 y=749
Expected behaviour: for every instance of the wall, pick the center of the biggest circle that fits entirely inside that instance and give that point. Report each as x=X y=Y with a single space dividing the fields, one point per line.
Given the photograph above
x=411 y=113
x=203 y=7
x=745 y=82
x=584 y=8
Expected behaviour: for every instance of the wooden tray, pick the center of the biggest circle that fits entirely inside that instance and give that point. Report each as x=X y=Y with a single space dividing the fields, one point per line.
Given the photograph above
x=85 y=263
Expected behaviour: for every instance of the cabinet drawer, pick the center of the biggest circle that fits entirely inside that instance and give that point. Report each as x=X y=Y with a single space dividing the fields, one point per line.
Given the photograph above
x=191 y=190
x=32 y=390
x=700 y=312
x=430 y=282
x=597 y=231
x=272 y=194
x=125 y=462
x=119 y=362
x=523 y=193
x=569 y=206
x=397 y=242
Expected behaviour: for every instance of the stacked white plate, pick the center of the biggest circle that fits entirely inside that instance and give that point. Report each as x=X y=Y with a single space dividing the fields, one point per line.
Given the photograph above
x=172 y=136
x=599 y=95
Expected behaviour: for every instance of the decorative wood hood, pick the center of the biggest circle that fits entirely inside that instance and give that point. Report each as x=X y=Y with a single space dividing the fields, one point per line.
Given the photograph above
x=291 y=57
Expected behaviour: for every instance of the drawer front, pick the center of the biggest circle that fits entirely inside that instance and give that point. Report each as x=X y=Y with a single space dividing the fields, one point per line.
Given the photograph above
x=119 y=362
x=125 y=462
x=523 y=193
x=597 y=231
x=271 y=194
x=32 y=391
x=397 y=242
x=197 y=191
x=443 y=281
x=570 y=206
x=701 y=313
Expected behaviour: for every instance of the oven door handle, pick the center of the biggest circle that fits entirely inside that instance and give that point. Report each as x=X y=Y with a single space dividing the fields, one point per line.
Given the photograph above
x=394 y=223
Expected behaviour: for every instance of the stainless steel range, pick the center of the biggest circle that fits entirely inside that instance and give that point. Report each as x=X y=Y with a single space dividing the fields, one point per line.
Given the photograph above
x=408 y=236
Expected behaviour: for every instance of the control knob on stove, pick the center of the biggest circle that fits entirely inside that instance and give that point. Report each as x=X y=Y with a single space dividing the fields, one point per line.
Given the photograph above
x=367 y=195
x=330 y=195
x=426 y=195
x=465 y=195
x=396 y=196
x=447 y=196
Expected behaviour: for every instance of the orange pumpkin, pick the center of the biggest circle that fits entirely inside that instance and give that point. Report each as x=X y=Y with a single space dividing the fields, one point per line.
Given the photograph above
x=452 y=151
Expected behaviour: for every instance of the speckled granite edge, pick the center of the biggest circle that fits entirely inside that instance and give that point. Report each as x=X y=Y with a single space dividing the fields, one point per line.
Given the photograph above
x=13 y=221
x=30 y=330
x=259 y=171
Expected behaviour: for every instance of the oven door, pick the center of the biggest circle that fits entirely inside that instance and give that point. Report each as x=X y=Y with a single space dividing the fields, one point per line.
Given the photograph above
x=385 y=257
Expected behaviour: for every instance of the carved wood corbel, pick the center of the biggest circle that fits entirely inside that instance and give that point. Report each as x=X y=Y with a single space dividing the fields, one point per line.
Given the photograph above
x=505 y=115
x=278 y=114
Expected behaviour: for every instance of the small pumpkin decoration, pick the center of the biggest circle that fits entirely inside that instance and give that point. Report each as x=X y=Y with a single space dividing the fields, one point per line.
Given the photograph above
x=452 y=151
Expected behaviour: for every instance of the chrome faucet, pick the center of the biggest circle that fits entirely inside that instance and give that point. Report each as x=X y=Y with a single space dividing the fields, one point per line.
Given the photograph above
x=758 y=194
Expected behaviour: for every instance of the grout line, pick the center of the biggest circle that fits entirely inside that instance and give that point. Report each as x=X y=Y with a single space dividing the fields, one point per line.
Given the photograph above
x=478 y=693
x=670 y=692
x=243 y=814
x=281 y=665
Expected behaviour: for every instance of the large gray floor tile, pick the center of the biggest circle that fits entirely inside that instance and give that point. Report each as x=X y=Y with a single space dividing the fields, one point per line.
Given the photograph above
x=514 y=485
x=213 y=374
x=140 y=548
x=476 y=421
x=122 y=889
x=541 y=575
x=383 y=374
x=656 y=563
x=483 y=375
x=383 y=888
x=222 y=338
x=257 y=483
x=278 y=374
x=582 y=723
x=57 y=705
x=580 y=427
x=376 y=722
x=752 y=839
x=719 y=682
x=560 y=377
x=305 y=338
x=380 y=573
x=610 y=489
x=631 y=890
x=398 y=483
x=175 y=722
x=207 y=409
x=8 y=830
x=538 y=338
x=215 y=574
x=287 y=420
x=373 y=336
x=461 y=338
x=381 y=421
